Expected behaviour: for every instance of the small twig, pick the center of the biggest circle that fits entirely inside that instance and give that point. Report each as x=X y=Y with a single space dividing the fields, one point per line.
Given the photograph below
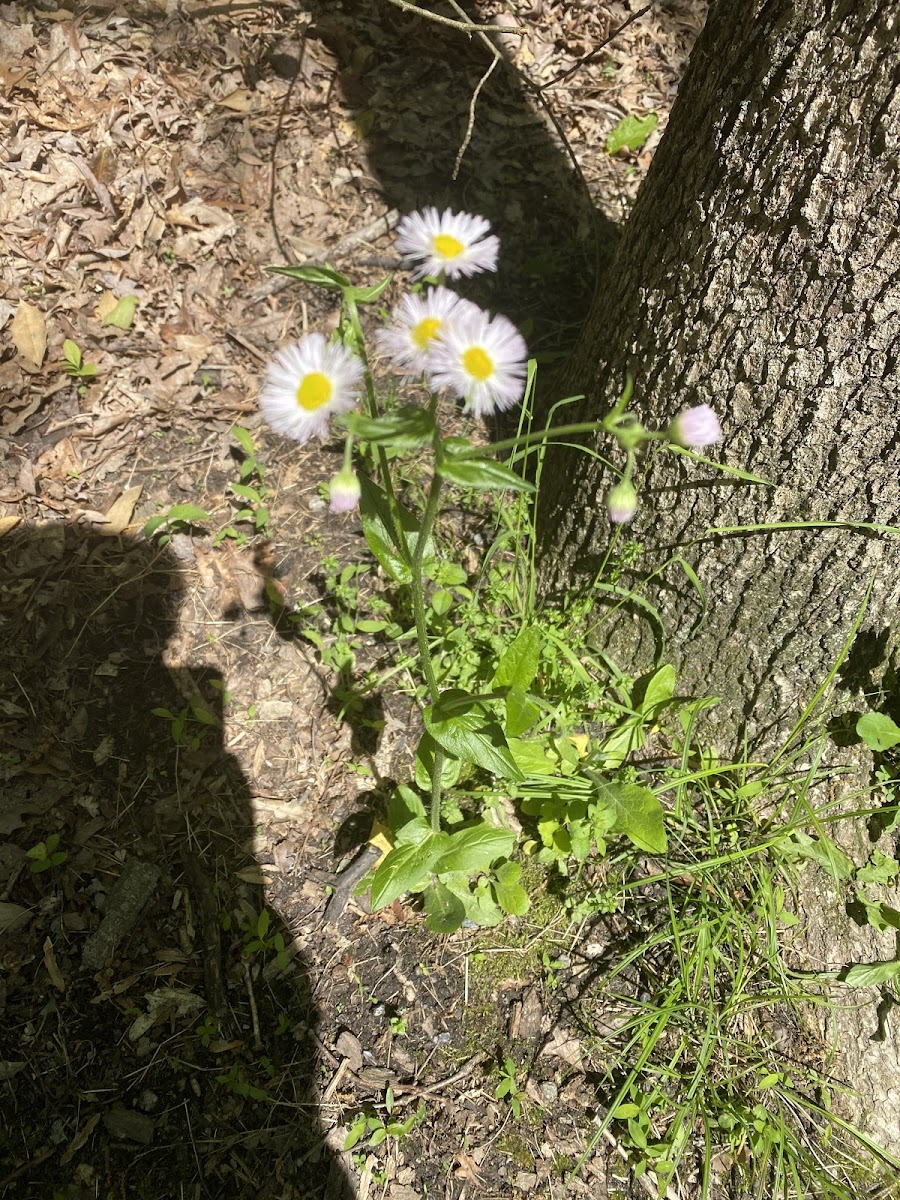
x=381 y=225
x=464 y=25
x=415 y=1089
x=347 y=880
x=473 y=103
x=254 y=1015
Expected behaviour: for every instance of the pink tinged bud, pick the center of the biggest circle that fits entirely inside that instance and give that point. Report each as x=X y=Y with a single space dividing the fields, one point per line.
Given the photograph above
x=344 y=491
x=621 y=503
x=695 y=428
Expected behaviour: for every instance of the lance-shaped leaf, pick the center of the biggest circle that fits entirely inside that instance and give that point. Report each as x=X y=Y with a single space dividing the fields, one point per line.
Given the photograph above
x=322 y=276
x=407 y=428
x=380 y=531
x=483 y=473
x=475 y=849
x=406 y=869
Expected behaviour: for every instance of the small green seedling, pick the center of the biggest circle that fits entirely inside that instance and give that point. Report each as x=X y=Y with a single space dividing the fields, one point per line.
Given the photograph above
x=508 y=1087
x=377 y=1128
x=45 y=856
x=258 y=940
x=235 y=1082
x=178 y=519
x=75 y=366
x=250 y=489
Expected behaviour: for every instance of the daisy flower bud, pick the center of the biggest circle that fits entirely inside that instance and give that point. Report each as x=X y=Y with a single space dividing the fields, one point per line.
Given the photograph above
x=621 y=503
x=482 y=359
x=448 y=242
x=417 y=322
x=307 y=383
x=344 y=491
x=695 y=428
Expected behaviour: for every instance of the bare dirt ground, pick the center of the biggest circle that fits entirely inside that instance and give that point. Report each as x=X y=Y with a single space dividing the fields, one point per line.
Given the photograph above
x=168 y=154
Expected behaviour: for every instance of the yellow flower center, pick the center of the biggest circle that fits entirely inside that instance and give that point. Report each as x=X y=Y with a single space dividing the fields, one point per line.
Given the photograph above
x=478 y=363
x=425 y=331
x=447 y=246
x=314 y=391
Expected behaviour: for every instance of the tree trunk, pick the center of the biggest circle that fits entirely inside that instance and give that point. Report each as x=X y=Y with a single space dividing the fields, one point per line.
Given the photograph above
x=759 y=273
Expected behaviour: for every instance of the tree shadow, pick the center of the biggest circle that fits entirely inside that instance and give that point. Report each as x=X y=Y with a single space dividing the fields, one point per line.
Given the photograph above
x=154 y=1041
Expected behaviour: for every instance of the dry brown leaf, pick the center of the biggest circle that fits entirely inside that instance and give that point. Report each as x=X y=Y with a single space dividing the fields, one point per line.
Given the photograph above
x=52 y=969
x=8 y=523
x=106 y=304
x=120 y=512
x=80 y=1138
x=467 y=1169
x=240 y=100
x=29 y=332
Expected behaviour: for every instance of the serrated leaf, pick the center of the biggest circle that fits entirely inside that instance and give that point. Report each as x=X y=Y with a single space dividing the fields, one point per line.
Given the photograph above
x=638 y=813
x=321 y=276
x=409 y=427
x=465 y=729
x=444 y=911
x=631 y=133
x=29 y=332
x=475 y=849
x=881 y=868
x=871 y=974
x=518 y=664
x=878 y=731
x=406 y=868
x=482 y=473
x=122 y=315
x=823 y=851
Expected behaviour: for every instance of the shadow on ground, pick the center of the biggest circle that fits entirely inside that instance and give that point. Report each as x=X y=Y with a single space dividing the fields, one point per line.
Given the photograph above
x=148 y=1024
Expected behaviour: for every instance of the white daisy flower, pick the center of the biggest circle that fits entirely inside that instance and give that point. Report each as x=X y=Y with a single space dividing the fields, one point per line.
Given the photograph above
x=448 y=242
x=306 y=383
x=483 y=359
x=417 y=322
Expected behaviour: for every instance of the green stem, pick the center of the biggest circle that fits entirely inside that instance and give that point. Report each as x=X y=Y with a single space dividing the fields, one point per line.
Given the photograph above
x=418 y=602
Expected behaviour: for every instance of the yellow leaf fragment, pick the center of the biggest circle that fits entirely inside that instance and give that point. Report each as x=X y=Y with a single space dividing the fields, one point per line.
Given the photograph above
x=122 y=315
x=29 y=332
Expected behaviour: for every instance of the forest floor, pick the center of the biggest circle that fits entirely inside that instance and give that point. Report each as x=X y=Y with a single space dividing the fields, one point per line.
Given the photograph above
x=169 y=154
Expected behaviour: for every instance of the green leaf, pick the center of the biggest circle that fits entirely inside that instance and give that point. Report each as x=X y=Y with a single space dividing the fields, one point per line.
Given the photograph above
x=880 y=916
x=521 y=713
x=122 y=316
x=245 y=492
x=881 y=868
x=531 y=756
x=510 y=894
x=243 y=438
x=355 y=1132
x=407 y=428
x=475 y=849
x=325 y=277
x=450 y=767
x=366 y=295
x=638 y=813
x=444 y=912
x=878 y=731
x=870 y=974
x=405 y=868
x=186 y=512
x=631 y=132
x=405 y=805
x=380 y=534
x=72 y=354
x=464 y=727
x=482 y=474
x=823 y=851
x=518 y=664
x=659 y=690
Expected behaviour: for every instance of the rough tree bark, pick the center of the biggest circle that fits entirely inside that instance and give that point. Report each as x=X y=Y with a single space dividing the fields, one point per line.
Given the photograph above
x=759 y=273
